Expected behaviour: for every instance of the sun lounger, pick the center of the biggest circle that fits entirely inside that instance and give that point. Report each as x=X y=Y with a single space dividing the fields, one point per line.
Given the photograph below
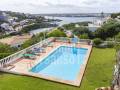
x=40 y=50
x=50 y=45
x=29 y=56
x=35 y=53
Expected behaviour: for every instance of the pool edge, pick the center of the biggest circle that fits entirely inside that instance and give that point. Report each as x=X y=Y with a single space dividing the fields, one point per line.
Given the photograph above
x=77 y=82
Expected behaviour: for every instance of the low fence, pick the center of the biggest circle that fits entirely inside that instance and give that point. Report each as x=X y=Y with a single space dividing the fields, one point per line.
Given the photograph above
x=19 y=54
x=81 y=41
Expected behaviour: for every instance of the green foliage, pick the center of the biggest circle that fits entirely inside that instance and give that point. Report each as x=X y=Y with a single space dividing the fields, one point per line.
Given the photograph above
x=6 y=50
x=35 y=39
x=72 y=26
x=60 y=28
x=114 y=15
x=97 y=41
x=84 y=36
x=4 y=36
x=83 y=23
x=3 y=55
x=69 y=26
x=117 y=46
x=82 y=30
x=117 y=37
x=110 y=44
x=109 y=29
x=56 y=33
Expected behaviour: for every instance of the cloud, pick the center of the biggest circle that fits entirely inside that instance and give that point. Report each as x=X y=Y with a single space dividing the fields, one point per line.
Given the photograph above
x=91 y=2
x=60 y=6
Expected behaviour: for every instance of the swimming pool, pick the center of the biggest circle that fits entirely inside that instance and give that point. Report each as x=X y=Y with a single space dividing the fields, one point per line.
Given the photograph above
x=64 y=63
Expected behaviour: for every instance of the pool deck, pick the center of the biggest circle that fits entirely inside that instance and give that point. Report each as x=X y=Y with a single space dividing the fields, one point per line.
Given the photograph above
x=22 y=66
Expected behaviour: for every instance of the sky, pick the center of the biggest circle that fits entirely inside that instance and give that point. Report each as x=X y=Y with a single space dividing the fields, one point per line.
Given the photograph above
x=60 y=6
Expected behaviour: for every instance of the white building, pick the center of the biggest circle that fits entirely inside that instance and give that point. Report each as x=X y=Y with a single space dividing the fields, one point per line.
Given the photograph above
x=7 y=27
x=18 y=28
x=23 y=22
x=93 y=27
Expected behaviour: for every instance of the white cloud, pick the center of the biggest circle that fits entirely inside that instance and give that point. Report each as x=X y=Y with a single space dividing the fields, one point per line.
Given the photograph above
x=60 y=6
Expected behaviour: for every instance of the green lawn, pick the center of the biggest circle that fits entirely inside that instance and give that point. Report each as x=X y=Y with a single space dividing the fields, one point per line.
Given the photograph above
x=98 y=73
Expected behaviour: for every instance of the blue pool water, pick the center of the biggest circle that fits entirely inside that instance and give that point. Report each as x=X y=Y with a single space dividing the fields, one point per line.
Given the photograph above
x=65 y=63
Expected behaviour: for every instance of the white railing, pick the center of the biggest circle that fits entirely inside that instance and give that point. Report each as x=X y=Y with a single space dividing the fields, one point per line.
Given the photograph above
x=19 y=54
x=82 y=41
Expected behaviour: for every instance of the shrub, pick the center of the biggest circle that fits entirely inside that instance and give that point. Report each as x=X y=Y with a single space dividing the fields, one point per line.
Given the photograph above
x=109 y=29
x=84 y=36
x=3 y=55
x=35 y=39
x=117 y=47
x=81 y=30
x=56 y=33
x=69 y=26
x=110 y=44
x=97 y=41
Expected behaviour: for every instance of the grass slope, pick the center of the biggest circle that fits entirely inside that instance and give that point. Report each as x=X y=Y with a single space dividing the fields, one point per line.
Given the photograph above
x=98 y=73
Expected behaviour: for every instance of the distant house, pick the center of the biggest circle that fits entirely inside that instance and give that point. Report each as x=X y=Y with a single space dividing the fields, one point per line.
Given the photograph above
x=7 y=28
x=18 y=28
x=23 y=22
x=95 y=25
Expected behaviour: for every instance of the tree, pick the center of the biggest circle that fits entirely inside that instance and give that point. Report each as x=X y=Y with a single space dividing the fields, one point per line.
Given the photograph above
x=69 y=26
x=84 y=36
x=117 y=37
x=60 y=28
x=35 y=39
x=109 y=29
x=56 y=33
x=6 y=50
x=114 y=15
x=83 y=23
x=82 y=30
x=117 y=47
x=97 y=41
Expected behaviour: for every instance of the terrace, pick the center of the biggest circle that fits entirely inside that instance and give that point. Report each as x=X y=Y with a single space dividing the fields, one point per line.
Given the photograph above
x=18 y=65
